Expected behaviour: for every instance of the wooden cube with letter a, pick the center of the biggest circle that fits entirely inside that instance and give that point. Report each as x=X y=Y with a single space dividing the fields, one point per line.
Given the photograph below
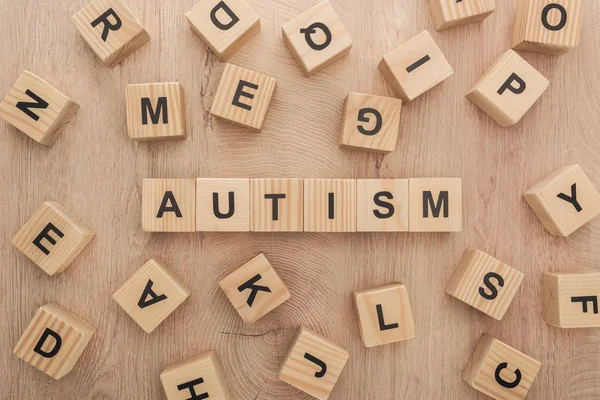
x=435 y=204
x=243 y=96
x=313 y=364
x=169 y=205
x=571 y=299
x=450 y=13
x=222 y=205
x=499 y=370
x=382 y=205
x=330 y=205
x=54 y=340
x=277 y=205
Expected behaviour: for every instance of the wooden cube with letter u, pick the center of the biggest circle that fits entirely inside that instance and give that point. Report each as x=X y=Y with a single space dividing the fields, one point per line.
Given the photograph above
x=169 y=205
x=435 y=204
x=222 y=205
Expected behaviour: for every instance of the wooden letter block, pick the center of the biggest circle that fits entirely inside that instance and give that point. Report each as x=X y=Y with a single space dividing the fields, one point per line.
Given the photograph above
x=277 y=205
x=169 y=205
x=200 y=377
x=547 y=26
x=508 y=89
x=222 y=205
x=330 y=205
x=564 y=201
x=370 y=122
x=243 y=96
x=52 y=238
x=313 y=364
x=255 y=289
x=451 y=13
x=435 y=204
x=499 y=370
x=111 y=30
x=155 y=111
x=151 y=295
x=54 y=340
x=571 y=299
x=37 y=109
x=382 y=205
x=317 y=38
x=384 y=314
x=415 y=67
x=224 y=25
x=485 y=283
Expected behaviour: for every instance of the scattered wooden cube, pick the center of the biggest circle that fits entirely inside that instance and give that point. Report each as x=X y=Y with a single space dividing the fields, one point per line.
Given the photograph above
x=155 y=111
x=222 y=205
x=277 y=205
x=508 y=89
x=225 y=26
x=499 y=370
x=255 y=289
x=243 y=96
x=485 y=283
x=313 y=364
x=435 y=204
x=52 y=238
x=382 y=205
x=317 y=38
x=54 y=340
x=330 y=205
x=169 y=205
x=415 y=67
x=37 y=109
x=451 y=13
x=564 y=201
x=571 y=299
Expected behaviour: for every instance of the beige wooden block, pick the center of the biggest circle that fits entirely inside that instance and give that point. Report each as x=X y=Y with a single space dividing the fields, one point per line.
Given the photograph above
x=277 y=205
x=243 y=96
x=499 y=370
x=52 y=237
x=254 y=289
x=37 y=109
x=451 y=13
x=330 y=205
x=384 y=314
x=111 y=30
x=169 y=205
x=54 y=340
x=151 y=295
x=508 y=89
x=547 y=26
x=415 y=67
x=224 y=25
x=370 y=122
x=382 y=205
x=571 y=299
x=313 y=364
x=485 y=283
x=435 y=204
x=222 y=205
x=200 y=377
x=155 y=111
x=564 y=201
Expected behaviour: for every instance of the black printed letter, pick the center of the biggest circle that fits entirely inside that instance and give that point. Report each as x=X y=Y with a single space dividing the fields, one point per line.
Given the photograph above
x=250 y=284
x=563 y=17
x=107 y=25
x=25 y=106
x=168 y=197
x=382 y=325
x=382 y=203
x=308 y=31
x=320 y=363
x=507 y=85
x=572 y=199
x=161 y=107
x=40 y=343
x=275 y=198
x=239 y=92
x=435 y=208
x=143 y=303
x=502 y=382
x=586 y=299
x=331 y=206
x=489 y=285
x=363 y=118
x=213 y=16
x=216 y=211
x=44 y=235
x=190 y=386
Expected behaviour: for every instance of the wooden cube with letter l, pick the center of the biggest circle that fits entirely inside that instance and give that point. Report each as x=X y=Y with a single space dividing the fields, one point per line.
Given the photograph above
x=277 y=204
x=169 y=205
x=435 y=204
x=330 y=205
x=382 y=205
x=451 y=13
x=222 y=205
x=571 y=299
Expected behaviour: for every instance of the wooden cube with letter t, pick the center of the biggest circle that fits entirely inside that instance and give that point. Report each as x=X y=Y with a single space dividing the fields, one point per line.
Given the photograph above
x=169 y=205
x=450 y=13
x=435 y=204
x=571 y=299
x=277 y=204
x=382 y=205
x=222 y=205
x=330 y=205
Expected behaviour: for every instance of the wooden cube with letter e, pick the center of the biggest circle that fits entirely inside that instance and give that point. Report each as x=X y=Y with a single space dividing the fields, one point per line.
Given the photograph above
x=222 y=205
x=435 y=204
x=451 y=13
x=169 y=205
x=382 y=205
x=571 y=299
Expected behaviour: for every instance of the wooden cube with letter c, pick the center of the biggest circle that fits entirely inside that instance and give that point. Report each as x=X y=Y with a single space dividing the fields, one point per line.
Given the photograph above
x=451 y=13
x=571 y=299
x=435 y=204
x=169 y=205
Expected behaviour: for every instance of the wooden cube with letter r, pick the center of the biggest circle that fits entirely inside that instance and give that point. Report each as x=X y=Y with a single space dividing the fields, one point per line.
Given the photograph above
x=435 y=204
x=169 y=205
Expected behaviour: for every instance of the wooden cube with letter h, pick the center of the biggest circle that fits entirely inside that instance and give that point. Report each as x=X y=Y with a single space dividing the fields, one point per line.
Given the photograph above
x=382 y=205
x=330 y=205
x=277 y=205
x=451 y=13
x=222 y=205
x=435 y=204
x=571 y=299
x=169 y=205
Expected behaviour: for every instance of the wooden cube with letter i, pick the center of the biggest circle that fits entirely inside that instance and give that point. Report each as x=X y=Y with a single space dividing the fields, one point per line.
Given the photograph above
x=571 y=299
x=169 y=205
x=200 y=377
x=330 y=205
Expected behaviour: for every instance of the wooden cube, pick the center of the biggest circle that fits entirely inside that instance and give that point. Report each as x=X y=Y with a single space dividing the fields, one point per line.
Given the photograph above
x=508 y=89
x=564 y=201
x=52 y=238
x=254 y=289
x=317 y=38
x=571 y=299
x=243 y=96
x=169 y=205
x=415 y=67
x=382 y=205
x=384 y=314
x=499 y=370
x=547 y=26
x=222 y=205
x=54 y=340
x=451 y=13
x=37 y=109
x=330 y=205
x=313 y=364
x=435 y=204
x=200 y=377
x=224 y=25
x=485 y=283
x=370 y=122
x=151 y=295
x=277 y=205
x=111 y=30
x=155 y=111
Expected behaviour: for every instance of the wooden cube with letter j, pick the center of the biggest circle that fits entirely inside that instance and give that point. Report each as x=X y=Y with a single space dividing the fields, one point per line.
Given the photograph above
x=169 y=205
x=435 y=204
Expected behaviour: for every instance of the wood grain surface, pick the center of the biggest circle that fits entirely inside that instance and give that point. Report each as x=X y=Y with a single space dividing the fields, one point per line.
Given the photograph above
x=96 y=172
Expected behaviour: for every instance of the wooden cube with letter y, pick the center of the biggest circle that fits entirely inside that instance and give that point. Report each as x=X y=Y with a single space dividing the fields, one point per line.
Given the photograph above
x=435 y=204
x=222 y=205
x=451 y=13
x=571 y=299
x=330 y=205
x=382 y=205
x=169 y=205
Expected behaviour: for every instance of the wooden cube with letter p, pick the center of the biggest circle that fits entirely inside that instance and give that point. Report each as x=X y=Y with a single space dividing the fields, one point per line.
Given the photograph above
x=169 y=205
x=330 y=205
x=435 y=204
x=571 y=299
x=450 y=13
x=382 y=205
x=222 y=205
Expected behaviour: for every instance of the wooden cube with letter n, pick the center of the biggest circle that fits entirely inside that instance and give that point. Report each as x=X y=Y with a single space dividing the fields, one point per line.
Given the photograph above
x=169 y=205
x=330 y=205
x=277 y=205
x=435 y=204
x=382 y=205
x=450 y=13
x=571 y=299
x=222 y=205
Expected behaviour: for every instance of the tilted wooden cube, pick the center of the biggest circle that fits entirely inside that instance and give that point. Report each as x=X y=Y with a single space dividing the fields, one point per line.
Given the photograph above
x=222 y=205
x=571 y=299
x=382 y=205
x=435 y=204
x=330 y=205
x=169 y=205
x=451 y=13
x=277 y=205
